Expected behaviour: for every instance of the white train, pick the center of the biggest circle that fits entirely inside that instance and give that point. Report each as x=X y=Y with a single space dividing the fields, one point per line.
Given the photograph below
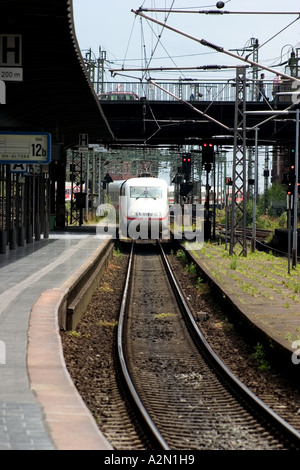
x=142 y=206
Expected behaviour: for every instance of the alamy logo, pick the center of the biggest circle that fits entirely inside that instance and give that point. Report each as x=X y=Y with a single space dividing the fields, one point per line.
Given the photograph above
x=296 y=354
x=2 y=353
x=296 y=96
x=187 y=223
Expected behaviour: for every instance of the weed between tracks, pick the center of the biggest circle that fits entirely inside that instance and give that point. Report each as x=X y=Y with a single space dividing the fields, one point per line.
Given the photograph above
x=165 y=315
x=260 y=355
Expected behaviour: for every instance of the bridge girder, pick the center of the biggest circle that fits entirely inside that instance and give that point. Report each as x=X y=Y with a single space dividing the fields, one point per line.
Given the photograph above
x=172 y=123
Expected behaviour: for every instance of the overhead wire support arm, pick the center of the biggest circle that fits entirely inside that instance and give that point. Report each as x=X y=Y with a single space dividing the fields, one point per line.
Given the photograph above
x=166 y=69
x=216 y=12
x=165 y=10
x=217 y=48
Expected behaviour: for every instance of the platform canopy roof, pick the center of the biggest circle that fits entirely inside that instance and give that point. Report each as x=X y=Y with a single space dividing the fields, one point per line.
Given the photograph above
x=56 y=94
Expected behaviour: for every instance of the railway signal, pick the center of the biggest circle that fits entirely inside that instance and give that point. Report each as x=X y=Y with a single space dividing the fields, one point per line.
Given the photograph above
x=290 y=189
x=291 y=180
x=186 y=162
x=185 y=188
x=292 y=155
x=207 y=152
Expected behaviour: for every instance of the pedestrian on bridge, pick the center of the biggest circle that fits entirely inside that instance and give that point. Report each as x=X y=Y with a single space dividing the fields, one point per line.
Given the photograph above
x=261 y=88
x=276 y=87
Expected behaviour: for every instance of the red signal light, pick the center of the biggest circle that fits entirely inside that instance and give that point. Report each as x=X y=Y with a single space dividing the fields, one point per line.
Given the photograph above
x=207 y=152
x=186 y=159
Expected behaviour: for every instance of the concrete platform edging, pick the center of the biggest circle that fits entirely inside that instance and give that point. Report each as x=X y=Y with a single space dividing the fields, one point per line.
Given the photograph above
x=82 y=284
x=71 y=425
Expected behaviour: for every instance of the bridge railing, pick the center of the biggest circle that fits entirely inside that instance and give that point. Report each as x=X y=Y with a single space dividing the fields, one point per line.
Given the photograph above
x=198 y=91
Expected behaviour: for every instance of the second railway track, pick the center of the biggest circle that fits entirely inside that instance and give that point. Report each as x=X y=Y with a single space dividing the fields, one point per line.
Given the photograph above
x=188 y=402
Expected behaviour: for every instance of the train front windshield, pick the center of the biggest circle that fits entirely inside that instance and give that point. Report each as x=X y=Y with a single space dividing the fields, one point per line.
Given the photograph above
x=145 y=192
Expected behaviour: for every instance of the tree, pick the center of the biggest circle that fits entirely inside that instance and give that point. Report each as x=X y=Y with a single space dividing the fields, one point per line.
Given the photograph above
x=275 y=193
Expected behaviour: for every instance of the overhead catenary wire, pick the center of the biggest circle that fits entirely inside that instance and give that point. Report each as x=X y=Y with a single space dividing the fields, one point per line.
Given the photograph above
x=147 y=61
x=185 y=10
x=220 y=49
x=158 y=38
x=275 y=35
x=129 y=41
x=164 y=25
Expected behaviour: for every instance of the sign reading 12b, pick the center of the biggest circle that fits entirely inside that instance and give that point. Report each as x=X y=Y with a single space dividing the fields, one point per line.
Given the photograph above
x=25 y=147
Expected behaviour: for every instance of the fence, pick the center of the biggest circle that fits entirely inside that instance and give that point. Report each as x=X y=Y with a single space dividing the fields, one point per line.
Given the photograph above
x=193 y=91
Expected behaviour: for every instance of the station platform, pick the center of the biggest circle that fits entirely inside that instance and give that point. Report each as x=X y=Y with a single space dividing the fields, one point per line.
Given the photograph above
x=262 y=296
x=40 y=409
x=39 y=406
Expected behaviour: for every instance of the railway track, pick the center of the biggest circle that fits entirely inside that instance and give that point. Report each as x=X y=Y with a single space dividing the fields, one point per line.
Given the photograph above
x=181 y=390
x=261 y=234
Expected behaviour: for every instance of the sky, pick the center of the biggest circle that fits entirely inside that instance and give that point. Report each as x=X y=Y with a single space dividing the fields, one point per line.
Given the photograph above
x=130 y=41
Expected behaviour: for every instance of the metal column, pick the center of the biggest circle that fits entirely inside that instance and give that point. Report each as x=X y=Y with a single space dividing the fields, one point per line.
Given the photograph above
x=239 y=190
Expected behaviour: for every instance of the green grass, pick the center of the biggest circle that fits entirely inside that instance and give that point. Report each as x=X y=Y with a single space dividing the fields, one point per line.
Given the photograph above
x=259 y=276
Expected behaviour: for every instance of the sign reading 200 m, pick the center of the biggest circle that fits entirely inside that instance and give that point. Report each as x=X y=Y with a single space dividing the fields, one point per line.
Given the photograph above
x=25 y=147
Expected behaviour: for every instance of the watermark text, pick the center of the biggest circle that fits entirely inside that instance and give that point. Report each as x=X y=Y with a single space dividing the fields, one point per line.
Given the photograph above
x=183 y=222
x=2 y=353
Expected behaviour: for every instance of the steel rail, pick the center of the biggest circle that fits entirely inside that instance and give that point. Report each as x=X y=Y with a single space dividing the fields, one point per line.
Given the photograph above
x=263 y=409
x=243 y=392
x=121 y=355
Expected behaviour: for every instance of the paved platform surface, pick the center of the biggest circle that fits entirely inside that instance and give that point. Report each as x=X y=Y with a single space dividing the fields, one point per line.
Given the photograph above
x=261 y=291
x=25 y=273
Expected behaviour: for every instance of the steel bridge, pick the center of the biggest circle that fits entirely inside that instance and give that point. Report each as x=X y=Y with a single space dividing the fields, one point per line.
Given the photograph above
x=207 y=90
x=186 y=112
x=190 y=122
